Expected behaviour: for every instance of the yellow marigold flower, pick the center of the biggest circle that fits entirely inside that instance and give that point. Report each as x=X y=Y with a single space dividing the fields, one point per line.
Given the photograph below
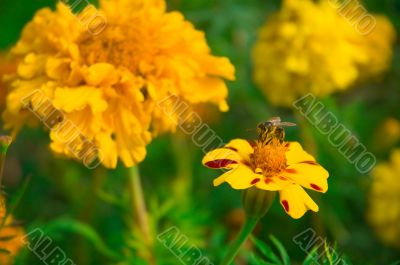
x=384 y=201
x=315 y=46
x=108 y=84
x=11 y=237
x=273 y=165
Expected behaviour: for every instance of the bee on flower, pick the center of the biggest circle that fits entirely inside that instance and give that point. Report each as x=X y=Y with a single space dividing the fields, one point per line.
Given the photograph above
x=271 y=164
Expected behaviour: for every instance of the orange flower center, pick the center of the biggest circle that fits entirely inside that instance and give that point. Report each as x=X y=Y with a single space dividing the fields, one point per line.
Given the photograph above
x=131 y=47
x=269 y=159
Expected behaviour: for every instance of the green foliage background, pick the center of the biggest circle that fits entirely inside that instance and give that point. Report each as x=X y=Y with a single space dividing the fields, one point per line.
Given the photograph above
x=86 y=213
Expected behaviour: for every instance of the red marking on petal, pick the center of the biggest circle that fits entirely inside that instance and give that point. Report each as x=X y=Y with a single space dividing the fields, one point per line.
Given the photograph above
x=285 y=205
x=309 y=162
x=283 y=178
x=287 y=144
x=220 y=163
x=315 y=187
x=291 y=170
x=268 y=180
x=231 y=148
x=254 y=181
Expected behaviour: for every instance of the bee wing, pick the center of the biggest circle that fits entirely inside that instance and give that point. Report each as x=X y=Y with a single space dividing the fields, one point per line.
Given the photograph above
x=286 y=123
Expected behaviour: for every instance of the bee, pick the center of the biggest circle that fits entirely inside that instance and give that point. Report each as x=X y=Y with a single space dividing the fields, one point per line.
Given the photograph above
x=273 y=128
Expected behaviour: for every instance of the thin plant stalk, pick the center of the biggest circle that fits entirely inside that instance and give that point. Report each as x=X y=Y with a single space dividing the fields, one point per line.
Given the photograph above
x=248 y=226
x=139 y=211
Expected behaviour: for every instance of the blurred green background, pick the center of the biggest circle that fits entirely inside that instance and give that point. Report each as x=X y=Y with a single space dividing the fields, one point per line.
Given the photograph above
x=85 y=212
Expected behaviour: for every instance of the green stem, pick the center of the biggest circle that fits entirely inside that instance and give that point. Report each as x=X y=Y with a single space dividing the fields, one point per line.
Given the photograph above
x=246 y=230
x=5 y=142
x=139 y=211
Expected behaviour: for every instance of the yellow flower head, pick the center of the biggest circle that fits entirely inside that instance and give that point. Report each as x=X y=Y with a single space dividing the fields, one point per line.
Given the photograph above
x=104 y=83
x=384 y=200
x=11 y=237
x=271 y=164
x=319 y=47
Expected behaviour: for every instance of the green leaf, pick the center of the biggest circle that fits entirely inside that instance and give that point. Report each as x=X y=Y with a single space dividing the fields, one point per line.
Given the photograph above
x=74 y=226
x=258 y=261
x=14 y=203
x=266 y=250
x=311 y=258
x=282 y=250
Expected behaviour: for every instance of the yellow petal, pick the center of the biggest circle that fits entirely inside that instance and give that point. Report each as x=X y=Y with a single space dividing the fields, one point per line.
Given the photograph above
x=242 y=147
x=73 y=99
x=101 y=73
x=308 y=175
x=273 y=183
x=296 y=154
x=221 y=158
x=236 y=151
x=239 y=177
x=108 y=147
x=296 y=201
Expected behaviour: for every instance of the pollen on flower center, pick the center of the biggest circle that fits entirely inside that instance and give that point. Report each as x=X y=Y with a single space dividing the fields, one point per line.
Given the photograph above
x=269 y=158
x=118 y=45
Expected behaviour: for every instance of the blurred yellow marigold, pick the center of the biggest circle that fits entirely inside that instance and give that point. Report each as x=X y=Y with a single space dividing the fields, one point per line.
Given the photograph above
x=384 y=200
x=314 y=46
x=108 y=84
x=11 y=236
x=387 y=134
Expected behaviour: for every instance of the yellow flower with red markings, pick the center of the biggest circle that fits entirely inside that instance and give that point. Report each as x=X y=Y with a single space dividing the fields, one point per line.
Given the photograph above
x=276 y=166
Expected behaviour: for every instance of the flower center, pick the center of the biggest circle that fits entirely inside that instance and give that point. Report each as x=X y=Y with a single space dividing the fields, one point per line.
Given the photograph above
x=130 y=47
x=269 y=159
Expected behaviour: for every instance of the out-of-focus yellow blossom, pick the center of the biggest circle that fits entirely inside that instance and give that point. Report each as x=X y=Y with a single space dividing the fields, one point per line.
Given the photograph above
x=273 y=165
x=7 y=66
x=384 y=200
x=387 y=135
x=109 y=84
x=311 y=47
x=11 y=236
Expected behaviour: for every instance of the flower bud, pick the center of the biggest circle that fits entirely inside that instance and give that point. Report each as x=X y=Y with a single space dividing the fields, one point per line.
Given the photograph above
x=256 y=202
